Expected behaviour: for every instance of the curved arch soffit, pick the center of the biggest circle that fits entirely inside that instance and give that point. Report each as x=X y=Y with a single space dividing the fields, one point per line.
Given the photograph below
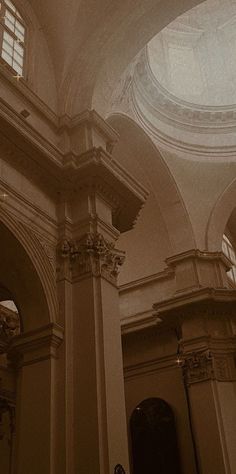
x=111 y=47
x=41 y=307
x=159 y=180
x=220 y=216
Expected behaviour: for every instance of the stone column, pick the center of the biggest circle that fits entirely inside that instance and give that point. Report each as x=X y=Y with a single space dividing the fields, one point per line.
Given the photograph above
x=205 y=320
x=104 y=202
x=34 y=354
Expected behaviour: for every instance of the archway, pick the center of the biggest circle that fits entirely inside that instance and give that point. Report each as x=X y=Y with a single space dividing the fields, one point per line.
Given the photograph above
x=222 y=213
x=154 y=439
x=29 y=380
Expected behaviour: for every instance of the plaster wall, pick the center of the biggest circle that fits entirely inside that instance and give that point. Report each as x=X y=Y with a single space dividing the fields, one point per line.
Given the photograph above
x=201 y=184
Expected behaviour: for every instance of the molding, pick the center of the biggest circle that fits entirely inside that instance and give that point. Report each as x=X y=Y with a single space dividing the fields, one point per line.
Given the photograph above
x=151 y=366
x=189 y=116
x=167 y=141
x=93 y=167
x=26 y=92
x=195 y=269
x=198 y=254
x=96 y=170
x=140 y=321
x=19 y=206
x=92 y=118
x=181 y=302
x=37 y=345
x=165 y=274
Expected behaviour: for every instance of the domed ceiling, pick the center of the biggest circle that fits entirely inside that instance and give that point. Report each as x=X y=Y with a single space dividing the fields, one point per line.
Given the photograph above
x=181 y=87
x=194 y=58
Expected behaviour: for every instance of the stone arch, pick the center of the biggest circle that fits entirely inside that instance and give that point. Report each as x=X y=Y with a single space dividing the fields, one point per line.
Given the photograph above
x=157 y=178
x=111 y=47
x=222 y=212
x=27 y=274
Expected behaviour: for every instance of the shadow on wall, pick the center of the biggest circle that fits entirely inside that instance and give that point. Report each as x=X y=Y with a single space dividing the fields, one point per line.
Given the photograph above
x=154 y=438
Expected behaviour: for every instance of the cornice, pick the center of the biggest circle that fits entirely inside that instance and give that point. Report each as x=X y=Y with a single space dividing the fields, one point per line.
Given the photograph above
x=165 y=140
x=98 y=170
x=198 y=254
x=166 y=274
x=150 y=366
x=139 y=322
x=202 y=295
x=188 y=115
x=95 y=166
x=36 y=345
x=25 y=92
x=11 y=120
x=89 y=117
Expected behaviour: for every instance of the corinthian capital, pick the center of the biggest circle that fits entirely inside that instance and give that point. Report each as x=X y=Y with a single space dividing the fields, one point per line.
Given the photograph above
x=92 y=253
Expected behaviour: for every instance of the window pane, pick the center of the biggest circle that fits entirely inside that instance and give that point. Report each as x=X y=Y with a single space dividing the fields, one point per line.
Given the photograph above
x=19 y=35
x=12 y=49
x=18 y=58
x=10 y=17
x=19 y=49
x=6 y=57
x=7 y=48
x=9 y=25
x=10 y=4
x=8 y=38
x=20 y=27
x=17 y=67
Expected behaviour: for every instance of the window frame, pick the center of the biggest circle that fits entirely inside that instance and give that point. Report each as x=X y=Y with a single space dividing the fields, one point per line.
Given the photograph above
x=5 y=28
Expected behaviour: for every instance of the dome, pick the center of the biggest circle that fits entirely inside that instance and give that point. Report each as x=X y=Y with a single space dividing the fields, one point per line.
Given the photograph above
x=193 y=58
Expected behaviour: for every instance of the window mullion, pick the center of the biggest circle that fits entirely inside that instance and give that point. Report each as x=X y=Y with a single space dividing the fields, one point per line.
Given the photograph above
x=11 y=54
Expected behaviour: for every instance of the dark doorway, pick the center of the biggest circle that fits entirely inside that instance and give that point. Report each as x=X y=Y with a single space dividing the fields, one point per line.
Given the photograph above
x=154 y=440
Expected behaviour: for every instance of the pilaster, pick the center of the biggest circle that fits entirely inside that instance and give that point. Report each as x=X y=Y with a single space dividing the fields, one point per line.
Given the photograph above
x=103 y=201
x=34 y=354
x=205 y=322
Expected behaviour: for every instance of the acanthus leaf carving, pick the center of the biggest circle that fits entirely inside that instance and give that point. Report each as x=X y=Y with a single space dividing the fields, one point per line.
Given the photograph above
x=197 y=367
x=92 y=253
x=204 y=365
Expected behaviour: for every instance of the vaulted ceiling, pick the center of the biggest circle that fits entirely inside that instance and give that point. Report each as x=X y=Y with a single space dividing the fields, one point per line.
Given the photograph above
x=91 y=37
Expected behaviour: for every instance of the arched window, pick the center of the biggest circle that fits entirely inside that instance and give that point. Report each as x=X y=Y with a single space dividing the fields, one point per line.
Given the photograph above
x=230 y=252
x=154 y=439
x=12 y=37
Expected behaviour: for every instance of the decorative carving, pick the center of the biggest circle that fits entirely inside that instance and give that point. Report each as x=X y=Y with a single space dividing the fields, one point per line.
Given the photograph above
x=205 y=365
x=173 y=110
x=224 y=368
x=197 y=367
x=50 y=251
x=9 y=327
x=92 y=253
